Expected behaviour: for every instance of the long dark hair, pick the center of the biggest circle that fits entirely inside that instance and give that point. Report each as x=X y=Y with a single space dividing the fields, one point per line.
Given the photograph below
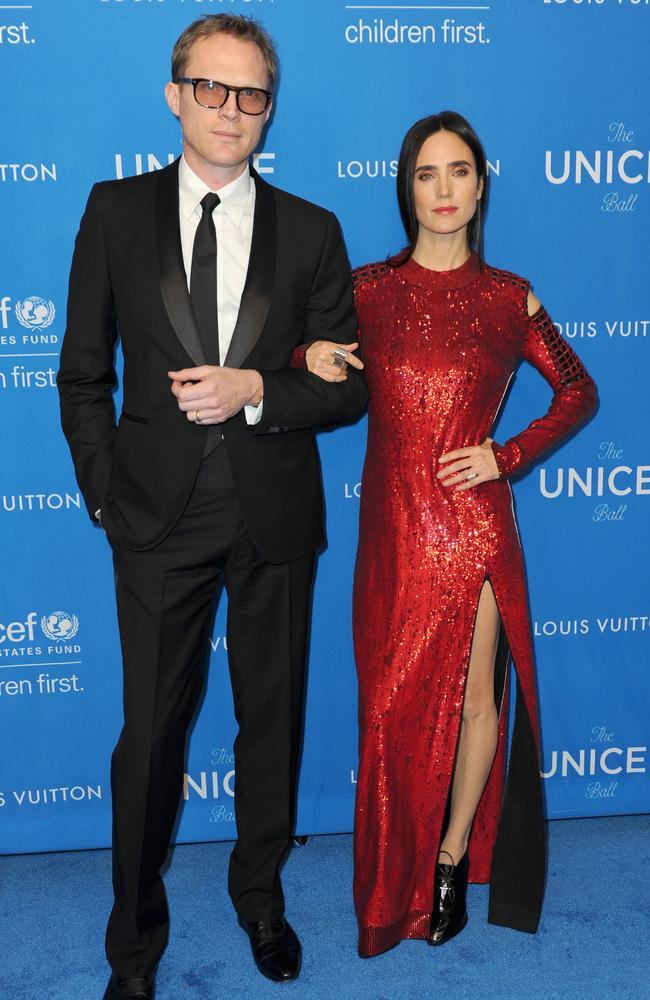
x=447 y=121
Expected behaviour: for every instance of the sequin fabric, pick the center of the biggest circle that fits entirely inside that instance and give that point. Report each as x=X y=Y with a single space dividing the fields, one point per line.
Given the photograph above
x=439 y=350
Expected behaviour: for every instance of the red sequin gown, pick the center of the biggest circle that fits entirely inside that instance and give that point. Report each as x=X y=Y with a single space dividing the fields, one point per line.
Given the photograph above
x=440 y=349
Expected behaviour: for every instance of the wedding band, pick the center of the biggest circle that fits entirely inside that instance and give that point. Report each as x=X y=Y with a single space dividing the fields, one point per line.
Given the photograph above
x=197 y=418
x=472 y=475
x=339 y=357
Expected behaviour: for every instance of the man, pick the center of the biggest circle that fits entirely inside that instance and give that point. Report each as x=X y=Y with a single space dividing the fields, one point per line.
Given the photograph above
x=211 y=469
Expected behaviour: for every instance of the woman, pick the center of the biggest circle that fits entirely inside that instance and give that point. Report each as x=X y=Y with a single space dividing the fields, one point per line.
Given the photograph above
x=439 y=567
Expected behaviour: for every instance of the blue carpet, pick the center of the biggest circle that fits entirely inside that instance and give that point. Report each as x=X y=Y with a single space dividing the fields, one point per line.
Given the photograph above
x=593 y=942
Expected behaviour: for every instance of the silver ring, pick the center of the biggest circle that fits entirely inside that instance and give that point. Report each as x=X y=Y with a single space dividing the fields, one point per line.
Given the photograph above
x=197 y=418
x=339 y=357
x=472 y=475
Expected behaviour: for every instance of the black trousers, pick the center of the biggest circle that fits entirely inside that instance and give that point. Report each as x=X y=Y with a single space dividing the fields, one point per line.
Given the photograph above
x=165 y=600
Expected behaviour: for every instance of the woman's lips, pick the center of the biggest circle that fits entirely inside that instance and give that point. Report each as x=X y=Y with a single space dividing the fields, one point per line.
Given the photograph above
x=446 y=210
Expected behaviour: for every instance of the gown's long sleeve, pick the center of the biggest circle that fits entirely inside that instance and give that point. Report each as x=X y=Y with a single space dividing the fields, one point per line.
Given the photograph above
x=574 y=396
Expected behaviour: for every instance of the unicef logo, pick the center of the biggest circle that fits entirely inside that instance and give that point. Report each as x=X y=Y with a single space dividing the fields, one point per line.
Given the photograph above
x=60 y=625
x=35 y=313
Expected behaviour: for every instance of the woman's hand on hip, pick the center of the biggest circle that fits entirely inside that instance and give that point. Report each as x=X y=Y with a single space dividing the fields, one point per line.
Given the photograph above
x=468 y=467
x=330 y=361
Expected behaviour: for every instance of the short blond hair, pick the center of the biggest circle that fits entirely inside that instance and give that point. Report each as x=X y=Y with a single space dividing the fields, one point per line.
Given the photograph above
x=238 y=25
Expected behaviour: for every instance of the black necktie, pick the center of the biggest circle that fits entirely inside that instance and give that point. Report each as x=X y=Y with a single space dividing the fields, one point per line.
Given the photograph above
x=203 y=280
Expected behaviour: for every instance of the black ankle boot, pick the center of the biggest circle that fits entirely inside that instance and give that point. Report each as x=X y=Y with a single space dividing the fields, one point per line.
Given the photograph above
x=449 y=910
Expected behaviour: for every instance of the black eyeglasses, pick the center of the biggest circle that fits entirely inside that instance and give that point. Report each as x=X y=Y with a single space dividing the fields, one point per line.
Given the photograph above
x=212 y=94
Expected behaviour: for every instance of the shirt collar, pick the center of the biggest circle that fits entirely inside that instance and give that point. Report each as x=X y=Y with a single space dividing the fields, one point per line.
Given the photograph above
x=234 y=197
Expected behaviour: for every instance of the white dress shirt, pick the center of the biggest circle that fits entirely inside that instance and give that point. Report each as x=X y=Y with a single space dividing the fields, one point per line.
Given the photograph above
x=233 y=222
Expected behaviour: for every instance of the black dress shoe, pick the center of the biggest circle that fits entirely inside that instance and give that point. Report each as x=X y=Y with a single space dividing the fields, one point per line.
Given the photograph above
x=449 y=895
x=133 y=989
x=276 y=948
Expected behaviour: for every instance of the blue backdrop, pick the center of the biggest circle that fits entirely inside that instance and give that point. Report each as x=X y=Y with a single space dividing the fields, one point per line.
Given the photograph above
x=557 y=90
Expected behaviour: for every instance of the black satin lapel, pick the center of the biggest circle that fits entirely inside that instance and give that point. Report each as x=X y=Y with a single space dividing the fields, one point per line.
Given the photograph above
x=173 y=281
x=256 y=297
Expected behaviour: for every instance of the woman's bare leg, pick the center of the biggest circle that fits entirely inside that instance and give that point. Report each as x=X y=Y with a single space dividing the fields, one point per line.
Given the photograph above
x=479 y=729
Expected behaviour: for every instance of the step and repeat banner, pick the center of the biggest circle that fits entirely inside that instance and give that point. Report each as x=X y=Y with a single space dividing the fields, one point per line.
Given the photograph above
x=557 y=90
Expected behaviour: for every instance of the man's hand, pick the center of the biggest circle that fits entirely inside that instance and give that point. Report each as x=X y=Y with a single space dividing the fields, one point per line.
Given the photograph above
x=211 y=394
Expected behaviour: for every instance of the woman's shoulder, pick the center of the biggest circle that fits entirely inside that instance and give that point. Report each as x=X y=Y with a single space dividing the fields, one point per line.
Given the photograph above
x=512 y=289
x=369 y=276
x=506 y=279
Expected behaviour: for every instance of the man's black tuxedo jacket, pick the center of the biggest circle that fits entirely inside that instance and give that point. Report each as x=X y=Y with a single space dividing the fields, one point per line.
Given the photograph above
x=128 y=280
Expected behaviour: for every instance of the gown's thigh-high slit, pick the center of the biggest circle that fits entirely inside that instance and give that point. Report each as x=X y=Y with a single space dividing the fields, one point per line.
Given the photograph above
x=500 y=694
x=500 y=686
x=518 y=870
